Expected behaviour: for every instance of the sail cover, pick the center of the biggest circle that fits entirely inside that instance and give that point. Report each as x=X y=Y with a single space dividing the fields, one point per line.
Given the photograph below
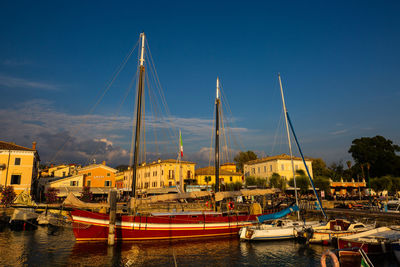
x=278 y=214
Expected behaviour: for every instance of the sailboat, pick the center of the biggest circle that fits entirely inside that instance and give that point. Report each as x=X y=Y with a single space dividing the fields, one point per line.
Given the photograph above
x=279 y=228
x=94 y=226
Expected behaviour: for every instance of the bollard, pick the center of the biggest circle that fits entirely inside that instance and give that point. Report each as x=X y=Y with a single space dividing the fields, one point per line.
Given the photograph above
x=113 y=211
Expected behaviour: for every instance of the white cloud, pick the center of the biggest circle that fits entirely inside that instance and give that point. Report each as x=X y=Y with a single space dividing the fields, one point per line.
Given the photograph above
x=13 y=82
x=81 y=136
x=339 y=132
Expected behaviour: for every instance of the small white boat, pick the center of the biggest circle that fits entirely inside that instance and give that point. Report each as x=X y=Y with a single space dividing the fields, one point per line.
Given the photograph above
x=277 y=230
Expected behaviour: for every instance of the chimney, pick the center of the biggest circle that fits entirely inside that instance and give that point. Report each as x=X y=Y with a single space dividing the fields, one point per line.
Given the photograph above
x=34 y=145
x=104 y=162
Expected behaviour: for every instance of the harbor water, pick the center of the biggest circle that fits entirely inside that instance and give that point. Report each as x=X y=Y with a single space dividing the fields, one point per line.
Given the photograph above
x=57 y=247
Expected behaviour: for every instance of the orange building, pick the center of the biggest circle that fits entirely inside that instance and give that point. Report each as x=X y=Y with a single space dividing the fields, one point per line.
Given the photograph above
x=98 y=175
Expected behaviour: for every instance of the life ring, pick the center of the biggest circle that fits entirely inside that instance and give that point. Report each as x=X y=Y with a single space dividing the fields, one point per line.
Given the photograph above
x=333 y=257
x=231 y=205
x=207 y=204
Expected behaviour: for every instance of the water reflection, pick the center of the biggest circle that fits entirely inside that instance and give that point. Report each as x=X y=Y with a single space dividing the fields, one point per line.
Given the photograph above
x=58 y=248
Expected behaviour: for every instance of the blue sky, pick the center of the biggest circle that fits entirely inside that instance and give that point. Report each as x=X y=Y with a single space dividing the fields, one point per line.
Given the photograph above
x=339 y=61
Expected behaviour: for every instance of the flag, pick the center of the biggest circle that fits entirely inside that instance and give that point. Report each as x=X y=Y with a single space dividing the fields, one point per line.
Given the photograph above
x=181 y=143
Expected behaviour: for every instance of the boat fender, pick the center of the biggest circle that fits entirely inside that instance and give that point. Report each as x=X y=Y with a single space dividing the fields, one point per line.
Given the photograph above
x=383 y=246
x=231 y=205
x=329 y=253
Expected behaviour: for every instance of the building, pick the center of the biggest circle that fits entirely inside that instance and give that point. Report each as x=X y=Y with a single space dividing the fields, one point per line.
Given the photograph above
x=62 y=170
x=98 y=175
x=280 y=164
x=160 y=174
x=18 y=166
x=227 y=174
x=348 y=188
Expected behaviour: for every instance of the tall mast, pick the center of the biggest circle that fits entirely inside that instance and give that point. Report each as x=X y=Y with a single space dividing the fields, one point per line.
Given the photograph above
x=217 y=102
x=138 y=115
x=290 y=145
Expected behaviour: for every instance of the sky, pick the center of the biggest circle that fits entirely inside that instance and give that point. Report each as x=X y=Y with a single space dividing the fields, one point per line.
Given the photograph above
x=339 y=62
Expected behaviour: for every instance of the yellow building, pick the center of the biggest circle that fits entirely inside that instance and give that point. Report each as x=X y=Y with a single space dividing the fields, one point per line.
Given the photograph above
x=71 y=181
x=227 y=174
x=160 y=174
x=280 y=164
x=18 y=166
x=60 y=171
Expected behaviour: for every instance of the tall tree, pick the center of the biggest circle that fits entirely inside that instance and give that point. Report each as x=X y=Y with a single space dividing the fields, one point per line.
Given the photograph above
x=242 y=157
x=319 y=167
x=379 y=153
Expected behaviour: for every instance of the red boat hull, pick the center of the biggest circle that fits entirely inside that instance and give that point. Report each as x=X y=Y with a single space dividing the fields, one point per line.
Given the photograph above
x=91 y=226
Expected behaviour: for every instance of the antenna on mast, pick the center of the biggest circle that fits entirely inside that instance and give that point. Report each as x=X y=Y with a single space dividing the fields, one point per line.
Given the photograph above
x=143 y=36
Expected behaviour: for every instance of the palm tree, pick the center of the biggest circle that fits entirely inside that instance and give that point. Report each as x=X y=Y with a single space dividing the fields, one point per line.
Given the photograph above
x=207 y=179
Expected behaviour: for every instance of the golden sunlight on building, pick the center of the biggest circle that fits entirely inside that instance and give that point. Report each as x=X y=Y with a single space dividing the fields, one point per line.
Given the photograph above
x=227 y=174
x=160 y=174
x=280 y=164
x=18 y=166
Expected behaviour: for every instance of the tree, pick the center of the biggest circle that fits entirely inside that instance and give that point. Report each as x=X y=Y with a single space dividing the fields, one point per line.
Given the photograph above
x=302 y=182
x=319 y=168
x=250 y=180
x=86 y=194
x=242 y=157
x=336 y=170
x=379 y=153
x=276 y=181
x=8 y=195
x=207 y=179
x=51 y=195
x=322 y=183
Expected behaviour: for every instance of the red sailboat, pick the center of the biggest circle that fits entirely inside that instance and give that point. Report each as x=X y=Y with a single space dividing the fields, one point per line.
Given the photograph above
x=92 y=226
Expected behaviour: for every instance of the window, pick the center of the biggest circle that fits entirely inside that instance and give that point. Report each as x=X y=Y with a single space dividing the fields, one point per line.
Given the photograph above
x=108 y=174
x=188 y=174
x=73 y=183
x=258 y=169
x=89 y=174
x=88 y=183
x=265 y=168
x=282 y=167
x=170 y=184
x=63 y=174
x=230 y=178
x=253 y=170
x=15 y=179
x=171 y=174
x=162 y=172
x=270 y=168
x=17 y=161
x=107 y=183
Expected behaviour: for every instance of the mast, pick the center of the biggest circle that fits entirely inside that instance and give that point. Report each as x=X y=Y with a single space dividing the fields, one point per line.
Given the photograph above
x=138 y=115
x=181 y=186
x=290 y=145
x=217 y=102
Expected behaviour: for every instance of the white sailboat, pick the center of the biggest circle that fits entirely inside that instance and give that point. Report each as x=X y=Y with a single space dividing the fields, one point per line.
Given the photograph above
x=279 y=229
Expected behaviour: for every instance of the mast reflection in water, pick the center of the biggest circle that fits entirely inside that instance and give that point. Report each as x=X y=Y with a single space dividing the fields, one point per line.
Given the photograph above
x=58 y=248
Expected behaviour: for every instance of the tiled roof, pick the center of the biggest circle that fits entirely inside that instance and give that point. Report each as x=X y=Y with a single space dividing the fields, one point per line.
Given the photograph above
x=211 y=171
x=12 y=146
x=277 y=157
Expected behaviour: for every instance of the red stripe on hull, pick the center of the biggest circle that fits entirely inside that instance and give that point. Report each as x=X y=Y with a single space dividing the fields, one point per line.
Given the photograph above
x=89 y=226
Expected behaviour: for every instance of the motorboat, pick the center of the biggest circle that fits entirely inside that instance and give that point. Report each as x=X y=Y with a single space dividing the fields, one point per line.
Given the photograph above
x=375 y=241
x=331 y=230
